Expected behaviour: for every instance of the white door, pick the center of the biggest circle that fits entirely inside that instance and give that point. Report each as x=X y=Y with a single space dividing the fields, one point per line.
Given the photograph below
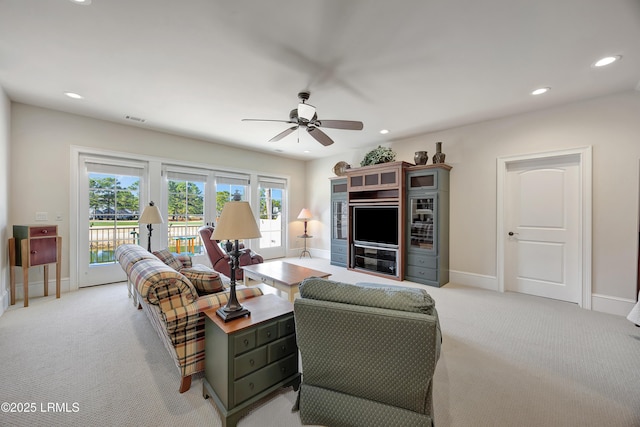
x=543 y=228
x=109 y=207
x=273 y=205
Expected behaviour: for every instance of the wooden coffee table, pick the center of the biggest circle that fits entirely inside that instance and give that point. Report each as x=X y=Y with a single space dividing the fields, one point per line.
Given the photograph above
x=281 y=275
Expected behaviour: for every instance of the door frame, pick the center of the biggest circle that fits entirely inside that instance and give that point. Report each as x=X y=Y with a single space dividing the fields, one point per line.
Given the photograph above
x=584 y=155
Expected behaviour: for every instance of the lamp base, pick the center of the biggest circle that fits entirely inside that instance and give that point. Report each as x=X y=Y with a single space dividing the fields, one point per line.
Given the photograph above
x=226 y=315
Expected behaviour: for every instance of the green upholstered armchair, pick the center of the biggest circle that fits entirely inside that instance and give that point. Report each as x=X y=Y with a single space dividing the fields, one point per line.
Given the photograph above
x=368 y=354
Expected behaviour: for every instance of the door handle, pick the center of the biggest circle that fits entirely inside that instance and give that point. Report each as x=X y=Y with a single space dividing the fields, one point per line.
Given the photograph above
x=511 y=233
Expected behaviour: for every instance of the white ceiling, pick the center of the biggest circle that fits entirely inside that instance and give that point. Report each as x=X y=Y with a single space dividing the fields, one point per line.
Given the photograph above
x=197 y=67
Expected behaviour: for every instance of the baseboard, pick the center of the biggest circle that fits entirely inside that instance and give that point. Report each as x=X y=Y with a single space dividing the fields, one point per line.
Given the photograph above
x=315 y=253
x=474 y=280
x=602 y=303
x=36 y=289
x=4 y=301
x=612 y=305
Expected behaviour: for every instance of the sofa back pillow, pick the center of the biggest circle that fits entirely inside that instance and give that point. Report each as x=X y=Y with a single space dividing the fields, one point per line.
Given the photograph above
x=205 y=280
x=168 y=258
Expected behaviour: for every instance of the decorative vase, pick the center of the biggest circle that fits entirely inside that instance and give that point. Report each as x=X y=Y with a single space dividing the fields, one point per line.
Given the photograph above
x=421 y=158
x=439 y=156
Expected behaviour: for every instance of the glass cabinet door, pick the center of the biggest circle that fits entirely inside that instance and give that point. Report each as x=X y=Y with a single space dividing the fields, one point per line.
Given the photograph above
x=339 y=220
x=422 y=221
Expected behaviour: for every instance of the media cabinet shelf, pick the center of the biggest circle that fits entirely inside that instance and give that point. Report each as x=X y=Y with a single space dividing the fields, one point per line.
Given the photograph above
x=376 y=259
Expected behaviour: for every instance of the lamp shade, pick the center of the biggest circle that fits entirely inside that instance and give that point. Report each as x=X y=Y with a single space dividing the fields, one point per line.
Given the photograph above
x=305 y=214
x=151 y=215
x=236 y=223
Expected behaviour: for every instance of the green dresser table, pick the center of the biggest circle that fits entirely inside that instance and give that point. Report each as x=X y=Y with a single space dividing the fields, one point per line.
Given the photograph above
x=249 y=358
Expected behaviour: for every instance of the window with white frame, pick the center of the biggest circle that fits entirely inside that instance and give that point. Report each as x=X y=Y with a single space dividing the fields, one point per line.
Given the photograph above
x=185 y=211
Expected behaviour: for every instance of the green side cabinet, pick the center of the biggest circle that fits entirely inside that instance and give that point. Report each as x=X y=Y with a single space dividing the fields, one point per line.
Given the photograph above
x=247 y=359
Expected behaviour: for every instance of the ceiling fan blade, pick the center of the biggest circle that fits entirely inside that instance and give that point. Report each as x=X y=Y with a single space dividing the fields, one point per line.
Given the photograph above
x=284 y=133
x=320 y=136
x=267 y=120
x=340 y=124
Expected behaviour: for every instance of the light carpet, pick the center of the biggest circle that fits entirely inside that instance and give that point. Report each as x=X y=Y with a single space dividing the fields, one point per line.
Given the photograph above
x=92 y=359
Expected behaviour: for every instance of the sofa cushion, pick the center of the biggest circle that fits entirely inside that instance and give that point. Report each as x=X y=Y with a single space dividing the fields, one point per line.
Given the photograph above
x=168 y=258
x=369 y=294
x=205 y=280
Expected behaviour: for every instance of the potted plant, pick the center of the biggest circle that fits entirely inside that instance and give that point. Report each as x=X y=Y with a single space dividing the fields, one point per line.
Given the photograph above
x=378 y=155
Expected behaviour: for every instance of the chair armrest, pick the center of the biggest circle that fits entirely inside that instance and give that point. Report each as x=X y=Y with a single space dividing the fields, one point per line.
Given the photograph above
x=249 y=257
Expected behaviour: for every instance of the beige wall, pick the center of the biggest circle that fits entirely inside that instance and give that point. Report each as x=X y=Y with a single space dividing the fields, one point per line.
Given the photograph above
x=41 y=141
x=5 y=119
x=611 y=125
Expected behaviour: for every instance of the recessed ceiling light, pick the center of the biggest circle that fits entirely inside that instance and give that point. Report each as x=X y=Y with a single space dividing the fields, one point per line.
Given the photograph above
x=74 y=95
x=606 y=61
x=82 y=2
x=384 y=131
x=540 y=91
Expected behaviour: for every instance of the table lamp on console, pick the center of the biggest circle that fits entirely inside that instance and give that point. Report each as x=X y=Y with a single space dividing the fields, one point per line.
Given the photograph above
x=150 y=215
x=236 y=222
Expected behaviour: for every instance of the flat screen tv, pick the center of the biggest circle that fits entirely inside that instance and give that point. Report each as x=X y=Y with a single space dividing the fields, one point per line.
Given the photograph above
x=375 y=224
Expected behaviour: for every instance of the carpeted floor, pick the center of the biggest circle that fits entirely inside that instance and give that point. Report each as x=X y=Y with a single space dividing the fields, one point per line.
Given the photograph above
x=92 y=359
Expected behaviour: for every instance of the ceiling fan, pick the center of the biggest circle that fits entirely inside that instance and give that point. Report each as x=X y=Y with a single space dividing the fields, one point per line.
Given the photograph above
x=305 y=116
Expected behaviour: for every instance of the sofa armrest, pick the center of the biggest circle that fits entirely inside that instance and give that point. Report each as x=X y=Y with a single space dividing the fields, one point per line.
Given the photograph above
x=187 y=316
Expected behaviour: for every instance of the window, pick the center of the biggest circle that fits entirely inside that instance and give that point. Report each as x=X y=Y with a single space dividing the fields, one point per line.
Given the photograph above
x=185 y=211
x=227 y=186
x=114 y=208
x=271 y=211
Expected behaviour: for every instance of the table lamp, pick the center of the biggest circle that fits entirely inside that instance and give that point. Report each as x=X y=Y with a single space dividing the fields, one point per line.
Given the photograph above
x=236 y=222
x=305 y=214
x=150 y=215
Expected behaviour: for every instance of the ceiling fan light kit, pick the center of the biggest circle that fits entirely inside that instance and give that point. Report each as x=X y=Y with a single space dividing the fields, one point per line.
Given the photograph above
x=305 y=116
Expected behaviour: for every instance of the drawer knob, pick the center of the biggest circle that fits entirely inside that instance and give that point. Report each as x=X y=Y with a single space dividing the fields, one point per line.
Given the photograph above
x=252 y=362
x=283 y=369
x=246 y=342
x=251 y=386
x=45 y=231
x=34 y=252
x=283 y=348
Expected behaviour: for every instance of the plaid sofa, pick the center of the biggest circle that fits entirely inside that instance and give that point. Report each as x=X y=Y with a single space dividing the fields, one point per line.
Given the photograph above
x=173 y=306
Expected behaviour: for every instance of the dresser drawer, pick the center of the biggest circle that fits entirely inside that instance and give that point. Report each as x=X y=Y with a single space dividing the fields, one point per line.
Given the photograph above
x=244 y=342
x=422 y=273
x=267 y=333
x=44 y=231
x=258 y=381
x=422 y=261
x=281 y=348
x=286 y=327
x=249 y=362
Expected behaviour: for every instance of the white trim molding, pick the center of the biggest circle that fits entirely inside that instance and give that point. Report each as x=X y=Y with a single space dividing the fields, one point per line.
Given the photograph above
x=473 y=280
